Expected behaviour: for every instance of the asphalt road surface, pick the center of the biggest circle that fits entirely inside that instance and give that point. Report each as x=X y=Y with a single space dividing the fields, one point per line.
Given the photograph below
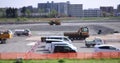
x=26 y=44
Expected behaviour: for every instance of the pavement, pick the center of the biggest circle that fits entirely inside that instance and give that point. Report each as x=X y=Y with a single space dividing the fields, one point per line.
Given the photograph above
x=33 y=43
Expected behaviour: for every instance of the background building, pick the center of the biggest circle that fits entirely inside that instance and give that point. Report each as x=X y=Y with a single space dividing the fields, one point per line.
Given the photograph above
x=107 y=11
x=118 y=10
x=76 y=10
x=92 y=13
x=61 y=8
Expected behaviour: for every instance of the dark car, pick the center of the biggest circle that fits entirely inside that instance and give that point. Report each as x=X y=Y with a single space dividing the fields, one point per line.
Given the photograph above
x=20 y=32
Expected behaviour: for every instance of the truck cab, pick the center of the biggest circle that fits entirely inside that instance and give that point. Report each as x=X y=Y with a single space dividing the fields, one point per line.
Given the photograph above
x=4 y=35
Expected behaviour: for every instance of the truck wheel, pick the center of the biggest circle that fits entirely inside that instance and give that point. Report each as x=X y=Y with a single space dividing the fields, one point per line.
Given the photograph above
x=26 y=34
x=3 y=41
x=18 y=34
x=88 y=45
x=71 y=39
x=93 y=45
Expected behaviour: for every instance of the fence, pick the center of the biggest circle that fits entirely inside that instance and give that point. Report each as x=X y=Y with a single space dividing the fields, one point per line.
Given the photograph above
x=98 y=55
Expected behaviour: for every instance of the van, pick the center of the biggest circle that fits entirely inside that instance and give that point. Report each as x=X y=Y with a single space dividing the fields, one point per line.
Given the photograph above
x=62 y=47
x=49 y=41
x=64 y=38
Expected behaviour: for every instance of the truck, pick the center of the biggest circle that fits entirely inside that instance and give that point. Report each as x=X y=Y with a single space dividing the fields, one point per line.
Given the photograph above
x=4 y=35
x=62 y=47
x=92 y=41
x=54 y=22
x=82 y=33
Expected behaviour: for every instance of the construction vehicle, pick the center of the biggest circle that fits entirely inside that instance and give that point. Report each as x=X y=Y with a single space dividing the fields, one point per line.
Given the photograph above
x=54 y=22
x=82 y=33
x=4 y=35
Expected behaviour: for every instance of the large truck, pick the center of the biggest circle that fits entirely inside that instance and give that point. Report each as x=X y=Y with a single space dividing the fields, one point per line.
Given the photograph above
x=4 y=35
x=82 y=33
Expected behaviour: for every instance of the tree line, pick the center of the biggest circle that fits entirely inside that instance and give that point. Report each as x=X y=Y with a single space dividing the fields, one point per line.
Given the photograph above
x=24 y=12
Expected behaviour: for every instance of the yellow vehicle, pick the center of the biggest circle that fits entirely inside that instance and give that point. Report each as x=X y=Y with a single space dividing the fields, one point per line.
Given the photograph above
x=4 y=35
x=54 y=22
x=82 y=33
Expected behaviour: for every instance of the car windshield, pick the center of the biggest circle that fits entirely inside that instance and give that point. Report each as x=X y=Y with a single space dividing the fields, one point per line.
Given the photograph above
x=98 y=40
x=85 y=29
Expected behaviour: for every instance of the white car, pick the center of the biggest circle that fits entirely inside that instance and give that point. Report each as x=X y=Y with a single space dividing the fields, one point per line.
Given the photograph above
x=63 y=38
x=49 y=41
x=62 y=47
x=106 y=48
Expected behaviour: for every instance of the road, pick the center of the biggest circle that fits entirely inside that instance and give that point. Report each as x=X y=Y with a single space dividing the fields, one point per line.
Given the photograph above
x=25 y=44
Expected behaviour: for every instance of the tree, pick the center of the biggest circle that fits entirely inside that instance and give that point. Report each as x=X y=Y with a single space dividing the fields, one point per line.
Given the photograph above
x=23 y=11
x=40 y=10
x=11 y=12
x=53 y=13
x=104 y=14
x=28 y=12
x=2 y=12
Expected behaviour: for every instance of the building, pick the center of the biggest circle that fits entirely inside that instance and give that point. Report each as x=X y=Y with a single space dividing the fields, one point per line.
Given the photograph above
x=118 y=8
x=76 y=10
x=107 y=11
x=2 y=12
x=61 y=8
x=92 y=13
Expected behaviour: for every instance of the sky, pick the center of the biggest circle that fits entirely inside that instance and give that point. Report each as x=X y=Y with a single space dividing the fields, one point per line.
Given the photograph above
x=87 y=4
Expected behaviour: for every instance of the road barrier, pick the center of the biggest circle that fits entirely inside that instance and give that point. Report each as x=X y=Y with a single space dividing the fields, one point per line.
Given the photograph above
x=34 y=56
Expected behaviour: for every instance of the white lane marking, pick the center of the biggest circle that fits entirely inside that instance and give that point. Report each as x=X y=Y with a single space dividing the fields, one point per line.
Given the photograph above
x=31 y=44
x=38 y=38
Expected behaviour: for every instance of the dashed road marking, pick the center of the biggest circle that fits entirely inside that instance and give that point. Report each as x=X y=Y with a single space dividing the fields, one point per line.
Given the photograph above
x=31 y=44
x=38 y=38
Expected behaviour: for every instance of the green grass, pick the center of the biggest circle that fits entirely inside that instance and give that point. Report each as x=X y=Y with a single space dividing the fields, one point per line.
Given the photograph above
x=61 y=19
x=66 y=61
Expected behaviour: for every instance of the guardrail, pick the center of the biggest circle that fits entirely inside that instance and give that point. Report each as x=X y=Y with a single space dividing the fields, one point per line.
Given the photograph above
x=30 y=55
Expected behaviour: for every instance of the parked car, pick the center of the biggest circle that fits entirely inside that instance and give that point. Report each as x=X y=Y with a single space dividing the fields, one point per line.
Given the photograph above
x=106 y=48
x=62 y=47
x=91 y=41
x=49 y=41
x=64 y=38
x=20 y=32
